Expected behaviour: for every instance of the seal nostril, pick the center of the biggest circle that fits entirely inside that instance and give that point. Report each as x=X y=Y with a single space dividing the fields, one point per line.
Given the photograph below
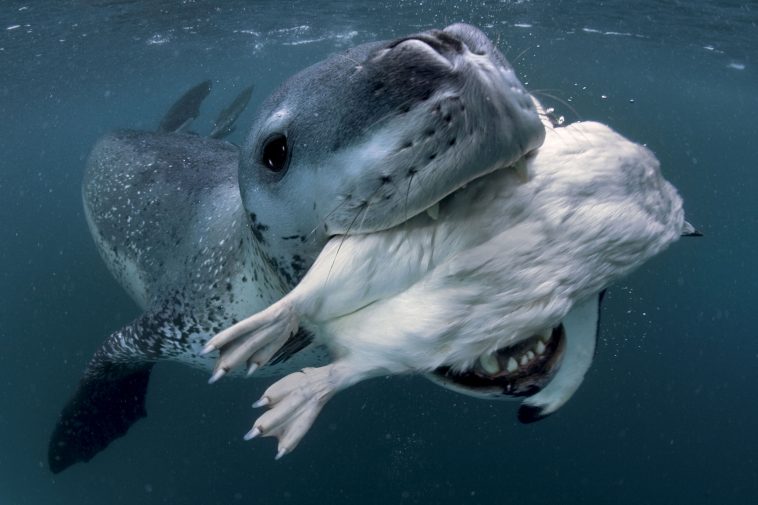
x=450 y=42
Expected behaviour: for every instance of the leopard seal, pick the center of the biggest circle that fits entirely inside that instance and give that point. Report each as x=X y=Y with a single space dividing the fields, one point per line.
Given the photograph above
x=202 y=234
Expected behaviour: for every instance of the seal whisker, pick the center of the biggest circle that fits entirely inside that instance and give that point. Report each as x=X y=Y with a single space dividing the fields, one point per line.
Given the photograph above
x=407 y=194
x=323 y=221
x=363 y=210
x=342 y=241
x=522 y=53
x=560 y=100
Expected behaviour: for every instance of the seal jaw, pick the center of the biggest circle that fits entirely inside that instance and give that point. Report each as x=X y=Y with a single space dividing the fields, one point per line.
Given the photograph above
x=518 y=370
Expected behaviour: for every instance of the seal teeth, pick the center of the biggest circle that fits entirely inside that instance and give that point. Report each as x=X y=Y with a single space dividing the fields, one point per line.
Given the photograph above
x=490 y=364
x=540 y=347
x=434 y=211
x=512 y=366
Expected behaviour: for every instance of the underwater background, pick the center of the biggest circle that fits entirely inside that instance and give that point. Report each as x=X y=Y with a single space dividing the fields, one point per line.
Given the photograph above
x=667 y=414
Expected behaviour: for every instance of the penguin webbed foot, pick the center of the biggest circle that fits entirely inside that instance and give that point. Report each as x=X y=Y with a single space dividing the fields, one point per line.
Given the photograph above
x=294 y=402
x=254 y=340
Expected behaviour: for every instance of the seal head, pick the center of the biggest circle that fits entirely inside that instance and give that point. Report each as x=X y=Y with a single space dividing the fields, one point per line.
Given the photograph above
x=371 y=137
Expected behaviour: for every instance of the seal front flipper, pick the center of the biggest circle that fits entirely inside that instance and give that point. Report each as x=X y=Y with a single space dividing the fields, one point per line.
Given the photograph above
x=109 y=399
x=581 y=328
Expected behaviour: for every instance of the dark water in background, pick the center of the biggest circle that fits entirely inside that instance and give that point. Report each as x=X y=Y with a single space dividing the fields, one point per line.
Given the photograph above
x=668 y=414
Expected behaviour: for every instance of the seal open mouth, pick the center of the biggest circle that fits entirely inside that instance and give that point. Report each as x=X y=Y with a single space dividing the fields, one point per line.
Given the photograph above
x=519 y=370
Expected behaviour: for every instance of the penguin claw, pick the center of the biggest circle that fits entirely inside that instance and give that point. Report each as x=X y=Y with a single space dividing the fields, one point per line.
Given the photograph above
x=252 y=433
x=251 y=368
x=255 y=340
x=262 y=402
x=218 y=374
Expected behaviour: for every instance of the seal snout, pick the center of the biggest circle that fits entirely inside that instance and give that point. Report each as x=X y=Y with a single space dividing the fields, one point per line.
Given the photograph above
x=440 y=45
x=473 y=38
x=443 y=43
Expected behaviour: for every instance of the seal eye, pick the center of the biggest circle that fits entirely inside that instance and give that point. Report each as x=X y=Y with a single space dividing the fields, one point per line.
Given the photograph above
x=274 y=155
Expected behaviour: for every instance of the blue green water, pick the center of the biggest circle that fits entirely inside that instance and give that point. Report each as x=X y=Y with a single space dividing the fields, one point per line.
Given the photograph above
x=666 y=415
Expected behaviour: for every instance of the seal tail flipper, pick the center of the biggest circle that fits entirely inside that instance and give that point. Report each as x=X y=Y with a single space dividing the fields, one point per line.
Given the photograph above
x=109 y=399
x=581 y=326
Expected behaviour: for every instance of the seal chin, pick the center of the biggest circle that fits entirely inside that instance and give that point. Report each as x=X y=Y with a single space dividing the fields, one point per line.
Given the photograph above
x=520 y=370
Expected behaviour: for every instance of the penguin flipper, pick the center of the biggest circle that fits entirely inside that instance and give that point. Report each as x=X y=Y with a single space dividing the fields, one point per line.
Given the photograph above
x=581 y=325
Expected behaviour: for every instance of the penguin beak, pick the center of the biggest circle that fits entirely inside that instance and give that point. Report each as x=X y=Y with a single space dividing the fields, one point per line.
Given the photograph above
x=689 y=231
